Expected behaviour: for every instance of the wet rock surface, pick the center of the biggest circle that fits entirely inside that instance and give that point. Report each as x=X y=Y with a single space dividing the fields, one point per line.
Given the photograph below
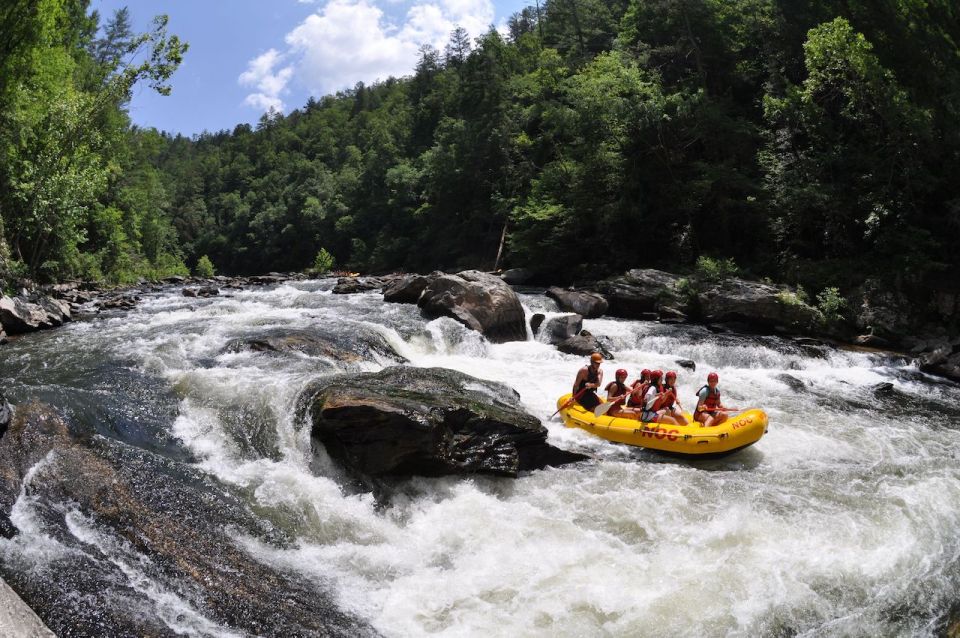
x=478 y=300
x=173 y=530
x=6 y=414
x=427 y=421
x=941 y=357
x=560 y=329
x=353 y=285
x=350 y=347
x=582 y=302
x=584 y=344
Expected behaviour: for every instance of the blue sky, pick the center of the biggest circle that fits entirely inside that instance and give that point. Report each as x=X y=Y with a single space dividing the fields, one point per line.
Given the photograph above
x=250 y=55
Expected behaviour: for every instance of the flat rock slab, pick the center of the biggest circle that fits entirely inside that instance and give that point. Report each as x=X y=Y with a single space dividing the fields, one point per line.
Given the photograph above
x=17 y=620
x=406 y=421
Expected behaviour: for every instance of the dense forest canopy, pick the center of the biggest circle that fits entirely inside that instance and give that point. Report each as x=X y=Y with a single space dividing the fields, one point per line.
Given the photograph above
x=814 y=142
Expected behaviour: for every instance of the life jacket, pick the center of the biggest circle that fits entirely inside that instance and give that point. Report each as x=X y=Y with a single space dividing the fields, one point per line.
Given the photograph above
x=636 y=397
x=651 y=400
x=621 y=388
x=666 y=399
x=712 y=402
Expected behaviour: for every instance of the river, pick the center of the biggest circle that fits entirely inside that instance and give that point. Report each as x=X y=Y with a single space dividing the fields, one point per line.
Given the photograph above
x=842 y=520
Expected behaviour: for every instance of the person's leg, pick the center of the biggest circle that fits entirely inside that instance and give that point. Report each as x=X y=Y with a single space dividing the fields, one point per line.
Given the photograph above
x=720 y=418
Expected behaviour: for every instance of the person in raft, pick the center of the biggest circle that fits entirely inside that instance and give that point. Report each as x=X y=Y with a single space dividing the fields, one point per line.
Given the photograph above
x=618 y=391
x=589 y=378
x=671 y=403
x=710 y=410
x=654 y=402
x=637 y=390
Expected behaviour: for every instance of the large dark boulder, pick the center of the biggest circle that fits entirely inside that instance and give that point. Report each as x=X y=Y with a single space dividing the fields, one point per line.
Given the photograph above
x=407 y=289
x=642 y=291
x=175 y=525
x=758 y=305
x=559 y=329
x=427 y=421
x=942 y=360
x=349 y=345
x=582 y=302
x=478 y=300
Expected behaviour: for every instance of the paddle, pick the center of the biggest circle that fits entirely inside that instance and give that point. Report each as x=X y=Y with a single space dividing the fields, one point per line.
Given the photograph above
x=570 y=402
x=603 y=408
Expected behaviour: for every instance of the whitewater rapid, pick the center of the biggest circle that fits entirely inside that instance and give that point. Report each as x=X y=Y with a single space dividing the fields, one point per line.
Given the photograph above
x=841 y=521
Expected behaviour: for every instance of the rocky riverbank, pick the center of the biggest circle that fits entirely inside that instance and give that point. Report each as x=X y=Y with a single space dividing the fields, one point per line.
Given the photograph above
x=51 y=306
x=730 y=305
x=485 y=302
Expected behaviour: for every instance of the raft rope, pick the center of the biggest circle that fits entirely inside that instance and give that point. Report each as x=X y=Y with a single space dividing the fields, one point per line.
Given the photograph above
x=644 y=429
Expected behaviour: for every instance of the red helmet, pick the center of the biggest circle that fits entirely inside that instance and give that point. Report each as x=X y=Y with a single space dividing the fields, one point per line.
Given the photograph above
x=644 y=373
x=656 y=374
x=671 y=375
x=713 y=376
x=621 y=373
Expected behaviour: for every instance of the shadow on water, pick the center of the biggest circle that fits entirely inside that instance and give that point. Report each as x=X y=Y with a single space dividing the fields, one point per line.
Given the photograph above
x=744 y=459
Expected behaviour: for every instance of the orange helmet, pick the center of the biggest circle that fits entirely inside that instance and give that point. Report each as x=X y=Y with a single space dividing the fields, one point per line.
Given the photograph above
x=597 y=357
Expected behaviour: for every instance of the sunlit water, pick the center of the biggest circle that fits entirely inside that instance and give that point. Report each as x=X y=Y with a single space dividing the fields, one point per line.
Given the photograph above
x=842 y=520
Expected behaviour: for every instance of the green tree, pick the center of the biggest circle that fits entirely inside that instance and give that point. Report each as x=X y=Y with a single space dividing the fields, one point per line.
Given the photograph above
x=204 y=267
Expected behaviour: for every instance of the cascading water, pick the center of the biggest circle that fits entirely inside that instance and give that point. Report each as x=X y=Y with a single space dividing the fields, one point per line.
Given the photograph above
x=840 y=521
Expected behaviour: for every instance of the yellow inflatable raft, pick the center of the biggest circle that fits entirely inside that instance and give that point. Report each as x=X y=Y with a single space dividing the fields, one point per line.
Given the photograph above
x=737 y=432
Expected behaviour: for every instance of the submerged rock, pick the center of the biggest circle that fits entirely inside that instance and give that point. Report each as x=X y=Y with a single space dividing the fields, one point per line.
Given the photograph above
x=428 y=421
x=349 y=346
x=478 y=300
x=588 y=304
x=127 y=526
x=687 y=364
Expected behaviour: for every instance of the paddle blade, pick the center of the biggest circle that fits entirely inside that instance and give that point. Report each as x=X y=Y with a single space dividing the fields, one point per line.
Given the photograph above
x=603 y=408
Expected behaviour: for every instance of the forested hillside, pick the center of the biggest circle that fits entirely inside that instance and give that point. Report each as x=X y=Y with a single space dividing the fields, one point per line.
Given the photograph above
x=813 y=142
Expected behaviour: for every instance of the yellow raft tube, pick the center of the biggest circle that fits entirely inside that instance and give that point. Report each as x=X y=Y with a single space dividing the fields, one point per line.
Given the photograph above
x=737 y=432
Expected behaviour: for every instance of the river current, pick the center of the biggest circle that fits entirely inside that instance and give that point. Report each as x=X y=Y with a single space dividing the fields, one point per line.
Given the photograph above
x=842 y=520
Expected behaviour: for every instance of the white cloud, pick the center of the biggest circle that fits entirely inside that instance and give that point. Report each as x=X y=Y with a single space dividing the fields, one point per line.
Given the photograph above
x=270 y=85
x=348 y=41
